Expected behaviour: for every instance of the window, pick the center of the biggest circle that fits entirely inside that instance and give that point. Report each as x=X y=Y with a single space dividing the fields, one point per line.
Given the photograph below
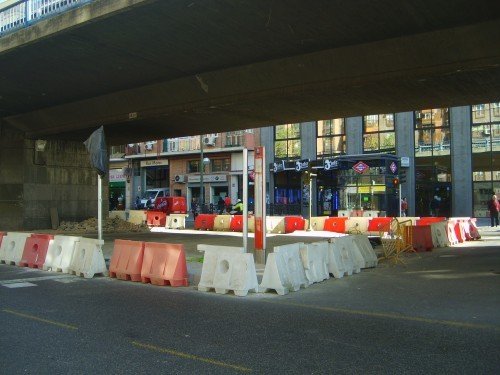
x=331 y=138
x=221 y=165
x=193 y=166
x=379 y=133
x=287 y=141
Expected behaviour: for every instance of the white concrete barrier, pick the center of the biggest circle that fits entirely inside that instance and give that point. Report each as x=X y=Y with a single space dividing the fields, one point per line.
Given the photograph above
x=11 y=250
x=366 y=249
x=350 y=250
x=341 y=250
x=60 y=253
x=176 y=221
x=88 y=259
x=438 y=232
x=314 y=258
x=284 y=271
x=210 y=263
x=335 y=263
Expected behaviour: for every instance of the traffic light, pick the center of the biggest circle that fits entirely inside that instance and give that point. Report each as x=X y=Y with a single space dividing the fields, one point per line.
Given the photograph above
x=395 y=182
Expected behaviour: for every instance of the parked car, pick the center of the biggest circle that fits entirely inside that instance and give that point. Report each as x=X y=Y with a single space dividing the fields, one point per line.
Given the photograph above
x=149 y=198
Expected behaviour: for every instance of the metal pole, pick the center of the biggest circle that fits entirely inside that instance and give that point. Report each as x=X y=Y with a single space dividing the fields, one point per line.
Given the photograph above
x=311 y=175
x=99 y=207
x=202 y=167
x=399 y=198
x=245 y=199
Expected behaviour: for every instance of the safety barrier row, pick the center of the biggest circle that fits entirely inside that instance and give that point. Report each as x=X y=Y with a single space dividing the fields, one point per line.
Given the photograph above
x=149 y=262
x=67 y=254
x=288 y=268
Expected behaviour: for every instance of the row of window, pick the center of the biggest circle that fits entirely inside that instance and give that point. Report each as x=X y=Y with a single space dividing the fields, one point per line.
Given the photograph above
x=216 y=165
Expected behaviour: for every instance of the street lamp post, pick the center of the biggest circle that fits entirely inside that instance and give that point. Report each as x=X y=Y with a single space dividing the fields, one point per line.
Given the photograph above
x=311 y=175
x=203 y=161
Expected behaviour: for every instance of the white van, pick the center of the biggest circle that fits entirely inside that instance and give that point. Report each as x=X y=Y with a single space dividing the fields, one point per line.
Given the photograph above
x=150 y=195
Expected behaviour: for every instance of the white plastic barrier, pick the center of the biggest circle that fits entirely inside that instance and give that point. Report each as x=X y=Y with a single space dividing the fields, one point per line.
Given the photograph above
x=366 y=249
x=318 y=223
x=222 y=223
x=227 y=268
x=176 y=221
x=314 y=258
x=11 y=250
x=284 y=271
x=450 y=231
x=370 y=213
x=357 y=225
x=275 y=224
x=438 y=232
x=88 y=259
x=60 y=253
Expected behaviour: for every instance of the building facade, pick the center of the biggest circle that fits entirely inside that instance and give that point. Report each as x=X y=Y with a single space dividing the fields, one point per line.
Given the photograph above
x=447 y=155
x=210 y=164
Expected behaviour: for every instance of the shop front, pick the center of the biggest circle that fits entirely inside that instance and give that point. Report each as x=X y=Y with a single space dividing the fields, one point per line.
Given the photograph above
x=117 y=181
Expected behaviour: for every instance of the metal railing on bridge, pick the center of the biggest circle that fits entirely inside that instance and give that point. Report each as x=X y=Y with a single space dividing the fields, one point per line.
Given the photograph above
x=24 y=13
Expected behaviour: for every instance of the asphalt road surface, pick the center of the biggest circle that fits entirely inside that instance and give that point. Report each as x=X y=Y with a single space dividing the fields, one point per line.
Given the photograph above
x=438 y=314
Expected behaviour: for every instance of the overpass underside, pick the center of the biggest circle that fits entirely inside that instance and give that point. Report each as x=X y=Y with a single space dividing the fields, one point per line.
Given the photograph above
x=150 y=69
x=156 y=69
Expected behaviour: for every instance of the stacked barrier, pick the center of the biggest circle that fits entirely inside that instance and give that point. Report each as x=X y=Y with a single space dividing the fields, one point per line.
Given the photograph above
x=35 y=250
x=227 y=269
x=284 y=271
x=357 y=225
x=379 y=224
x=88 y=259
x=126 y=261
x=164 y=263
x=60 y=253
x=343 y=245
x=12 y=247
x=236 y=223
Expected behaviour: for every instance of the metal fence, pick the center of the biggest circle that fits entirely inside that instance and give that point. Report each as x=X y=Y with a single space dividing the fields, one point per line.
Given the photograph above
x=24 y=13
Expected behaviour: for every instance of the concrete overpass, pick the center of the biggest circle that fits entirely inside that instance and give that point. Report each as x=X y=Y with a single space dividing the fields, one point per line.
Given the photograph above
x=149 y=68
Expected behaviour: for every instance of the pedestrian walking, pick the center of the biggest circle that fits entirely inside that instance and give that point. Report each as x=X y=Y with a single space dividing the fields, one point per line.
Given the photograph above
x=494 y=208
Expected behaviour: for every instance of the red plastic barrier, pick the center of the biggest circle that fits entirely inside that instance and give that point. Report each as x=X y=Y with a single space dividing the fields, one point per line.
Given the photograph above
x=236 y=223
x=1 y=237
x=335 y=224
x=35 y=250
x=422 y=238
x=379 y=224
x=164 y=263
x=156 y=218
x=459 y=232
x=171 y=205
x=293 y=223
x=205 y=221
x=429 y=220
x=126 y=261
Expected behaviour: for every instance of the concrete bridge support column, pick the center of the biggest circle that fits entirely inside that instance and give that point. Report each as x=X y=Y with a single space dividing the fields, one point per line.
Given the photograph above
x=461 y=161
x=405 y=146
x=32 y=181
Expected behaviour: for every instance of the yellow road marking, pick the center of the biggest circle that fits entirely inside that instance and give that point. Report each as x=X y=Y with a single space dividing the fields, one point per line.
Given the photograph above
x=392 y=316
x=62 y=325
x=189 y=356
